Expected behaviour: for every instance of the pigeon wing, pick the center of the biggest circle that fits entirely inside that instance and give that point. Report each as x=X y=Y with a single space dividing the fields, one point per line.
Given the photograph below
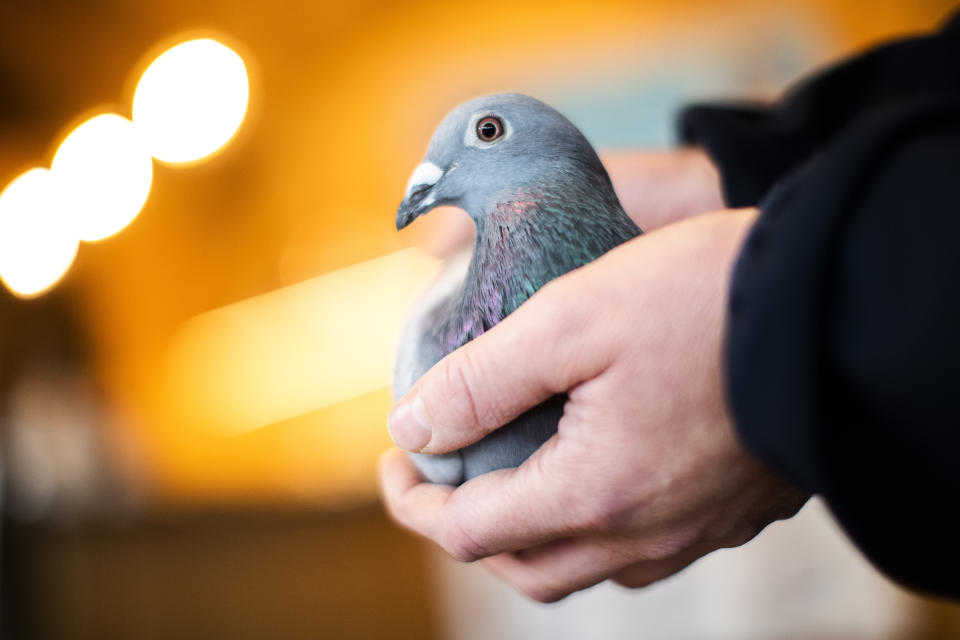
x=420 y=348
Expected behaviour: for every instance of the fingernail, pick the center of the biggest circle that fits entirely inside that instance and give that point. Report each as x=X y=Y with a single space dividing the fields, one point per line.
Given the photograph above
x=407 y=424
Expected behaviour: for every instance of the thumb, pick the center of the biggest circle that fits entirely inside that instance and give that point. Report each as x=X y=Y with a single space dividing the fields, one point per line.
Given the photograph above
x=491 y=380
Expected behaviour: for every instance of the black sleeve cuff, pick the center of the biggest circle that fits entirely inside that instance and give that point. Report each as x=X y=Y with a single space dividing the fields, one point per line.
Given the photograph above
x=843 y=348
x=751 y=147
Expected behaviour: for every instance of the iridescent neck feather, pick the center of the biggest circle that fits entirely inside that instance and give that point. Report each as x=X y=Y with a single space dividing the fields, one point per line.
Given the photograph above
x=524 y=240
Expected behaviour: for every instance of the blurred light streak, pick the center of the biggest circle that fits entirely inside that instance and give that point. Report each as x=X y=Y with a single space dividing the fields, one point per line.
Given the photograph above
x=37 y=242
x=104 y=173
x=191 y=100
x=297 y=349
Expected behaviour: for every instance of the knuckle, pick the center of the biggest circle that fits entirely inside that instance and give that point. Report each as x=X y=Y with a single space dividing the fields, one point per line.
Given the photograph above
x=397 y=511
x=609 y=513
x=663 y=549
x=543 y=592
x=637 y=581
x=740 y=535
x=674 y=544
x=540 y=587
x=460 y=545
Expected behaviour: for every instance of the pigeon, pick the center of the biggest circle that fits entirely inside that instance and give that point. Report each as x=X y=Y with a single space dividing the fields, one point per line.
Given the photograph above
x=543 y=205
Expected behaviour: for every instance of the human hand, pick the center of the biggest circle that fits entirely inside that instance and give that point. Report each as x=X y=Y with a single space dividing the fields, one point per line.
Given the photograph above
x=657 y=188
x=645 y=474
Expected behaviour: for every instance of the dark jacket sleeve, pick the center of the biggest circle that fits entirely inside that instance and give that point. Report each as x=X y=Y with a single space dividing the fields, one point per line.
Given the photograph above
x=755 y=145
x=843 y=349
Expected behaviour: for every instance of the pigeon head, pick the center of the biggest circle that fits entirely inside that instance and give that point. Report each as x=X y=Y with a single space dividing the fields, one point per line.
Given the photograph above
x=493 y=148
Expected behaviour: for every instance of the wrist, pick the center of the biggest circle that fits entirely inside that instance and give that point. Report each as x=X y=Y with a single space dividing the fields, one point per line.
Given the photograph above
x=657 y=188
x=702 y=177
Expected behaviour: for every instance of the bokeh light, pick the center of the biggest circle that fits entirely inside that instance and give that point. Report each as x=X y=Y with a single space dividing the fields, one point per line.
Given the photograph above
x=191 y=100
x=104 y=172
x=297 y=349
x=37 y=242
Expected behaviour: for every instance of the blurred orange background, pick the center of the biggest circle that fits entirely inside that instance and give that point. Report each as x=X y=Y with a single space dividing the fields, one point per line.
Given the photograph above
x=344 y=97
x=237 y=335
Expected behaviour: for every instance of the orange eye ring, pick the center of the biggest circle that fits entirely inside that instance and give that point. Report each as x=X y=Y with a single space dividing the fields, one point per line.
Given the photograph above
x=489 y=129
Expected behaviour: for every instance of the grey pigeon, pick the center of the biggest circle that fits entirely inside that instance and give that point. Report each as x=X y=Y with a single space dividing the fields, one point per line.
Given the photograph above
x=543 y=205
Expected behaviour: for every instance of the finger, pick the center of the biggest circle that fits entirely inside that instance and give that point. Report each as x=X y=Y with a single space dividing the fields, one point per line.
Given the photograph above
x=513 y=509
x=643 y=574
x=500 y=511
x=413 y=503
x=553 y=571
x=534 y=353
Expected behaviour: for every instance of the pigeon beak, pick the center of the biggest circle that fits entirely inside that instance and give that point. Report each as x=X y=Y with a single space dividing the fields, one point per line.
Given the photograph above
x=419 y=196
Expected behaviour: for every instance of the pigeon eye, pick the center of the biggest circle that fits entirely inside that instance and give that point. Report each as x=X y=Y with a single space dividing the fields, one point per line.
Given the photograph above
x=489 y=129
